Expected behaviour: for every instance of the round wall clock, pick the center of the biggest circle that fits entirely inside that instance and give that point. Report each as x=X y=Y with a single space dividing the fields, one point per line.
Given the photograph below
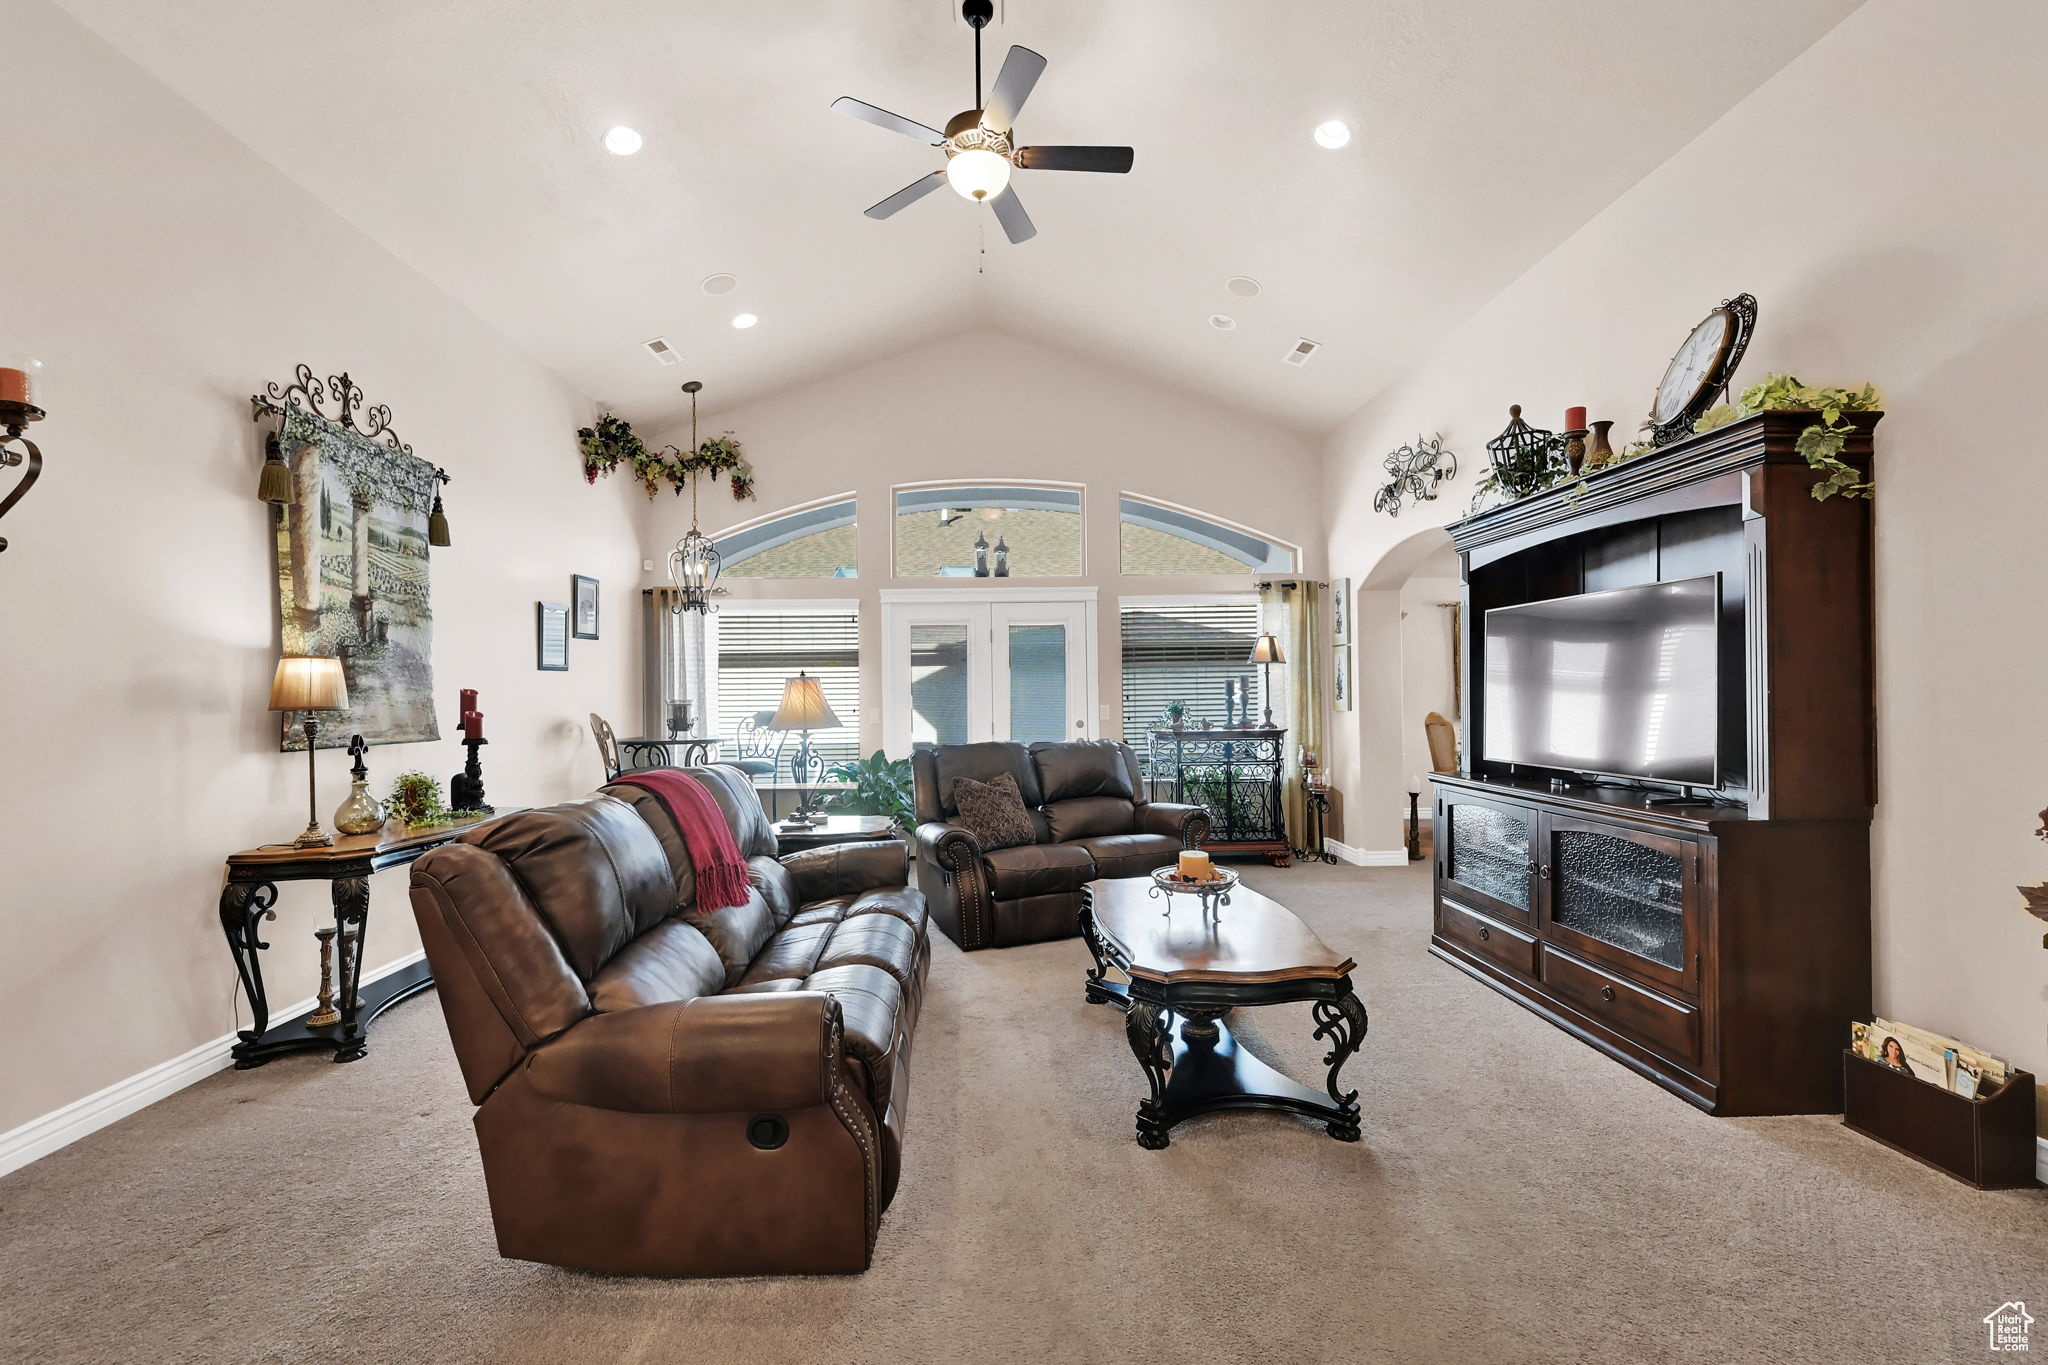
x=1699 y=374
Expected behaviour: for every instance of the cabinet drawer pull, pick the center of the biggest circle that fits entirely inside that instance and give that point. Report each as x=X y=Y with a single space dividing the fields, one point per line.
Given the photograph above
x=1607 y=993
x=1484 y=932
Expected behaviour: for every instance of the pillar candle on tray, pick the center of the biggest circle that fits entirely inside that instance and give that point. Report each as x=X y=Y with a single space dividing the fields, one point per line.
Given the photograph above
x=1574 y=419
x=1196 y=867
x=473 y=724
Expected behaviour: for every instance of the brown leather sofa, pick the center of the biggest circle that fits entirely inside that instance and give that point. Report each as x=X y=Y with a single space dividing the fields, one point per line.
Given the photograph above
x=667 y=1092
x=1088 y=807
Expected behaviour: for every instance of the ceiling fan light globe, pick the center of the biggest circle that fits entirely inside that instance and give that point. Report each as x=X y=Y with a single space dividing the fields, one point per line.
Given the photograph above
x=978 y=174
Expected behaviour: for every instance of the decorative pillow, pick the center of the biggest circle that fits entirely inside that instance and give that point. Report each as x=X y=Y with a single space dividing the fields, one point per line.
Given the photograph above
x=993 y=812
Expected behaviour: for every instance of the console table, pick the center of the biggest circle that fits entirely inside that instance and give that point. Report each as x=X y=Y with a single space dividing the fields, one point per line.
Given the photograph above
x=650 y=752
x=1236 y=773
x=248 y=899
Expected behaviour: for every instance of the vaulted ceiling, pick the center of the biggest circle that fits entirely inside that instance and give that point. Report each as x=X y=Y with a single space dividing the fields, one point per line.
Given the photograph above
x=464 y=135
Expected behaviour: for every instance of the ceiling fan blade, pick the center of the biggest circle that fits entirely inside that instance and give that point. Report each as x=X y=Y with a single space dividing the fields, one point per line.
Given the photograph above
x=1010 y=213
x=882 y=118
x=1021 y=70
x=1114 y=160
x=908 y=195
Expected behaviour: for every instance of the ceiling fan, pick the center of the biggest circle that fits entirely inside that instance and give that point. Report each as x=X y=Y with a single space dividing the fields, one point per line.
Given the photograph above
x=980 y=143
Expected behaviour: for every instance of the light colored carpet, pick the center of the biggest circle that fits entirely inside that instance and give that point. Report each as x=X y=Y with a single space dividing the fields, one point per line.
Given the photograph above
x=1516 y=1198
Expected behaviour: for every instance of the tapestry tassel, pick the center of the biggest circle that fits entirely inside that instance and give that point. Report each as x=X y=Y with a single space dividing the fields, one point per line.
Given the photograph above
x=437 y=524
x=276 y=483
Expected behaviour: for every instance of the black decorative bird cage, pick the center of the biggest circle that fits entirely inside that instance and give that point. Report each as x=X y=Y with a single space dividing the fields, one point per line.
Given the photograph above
x=1525 y=460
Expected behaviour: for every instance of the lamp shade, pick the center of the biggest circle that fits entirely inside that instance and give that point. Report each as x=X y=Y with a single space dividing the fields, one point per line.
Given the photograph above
x=1266 y=650
x=804 y=707
x=306 y=683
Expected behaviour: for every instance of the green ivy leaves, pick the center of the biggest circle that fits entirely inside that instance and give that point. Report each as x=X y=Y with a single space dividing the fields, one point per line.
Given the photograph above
x=1820 y=445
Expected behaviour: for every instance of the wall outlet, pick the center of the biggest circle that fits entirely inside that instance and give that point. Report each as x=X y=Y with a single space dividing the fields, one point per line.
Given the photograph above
x=1105 y=710
x=646 y=566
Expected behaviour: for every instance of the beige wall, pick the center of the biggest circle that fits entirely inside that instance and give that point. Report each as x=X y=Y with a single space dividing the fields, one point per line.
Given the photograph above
x=1883 y=198
x=163 y=273
x=990 y=406
x=1425 y=670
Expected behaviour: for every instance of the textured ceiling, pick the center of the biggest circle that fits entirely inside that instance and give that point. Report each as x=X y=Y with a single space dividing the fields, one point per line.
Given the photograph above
x=464 y=136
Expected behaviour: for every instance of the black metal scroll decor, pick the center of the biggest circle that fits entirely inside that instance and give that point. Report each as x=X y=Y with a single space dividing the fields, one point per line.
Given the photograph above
x=308 y=394
x=1414 y=472
x=14 y=418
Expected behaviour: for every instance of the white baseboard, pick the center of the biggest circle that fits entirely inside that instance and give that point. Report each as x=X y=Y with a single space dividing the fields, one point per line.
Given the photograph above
x=60 y=1127
x=1367 y=857
x=2041 y=1159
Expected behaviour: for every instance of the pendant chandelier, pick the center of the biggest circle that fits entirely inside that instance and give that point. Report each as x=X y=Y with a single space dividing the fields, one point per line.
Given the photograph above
x=693 y=565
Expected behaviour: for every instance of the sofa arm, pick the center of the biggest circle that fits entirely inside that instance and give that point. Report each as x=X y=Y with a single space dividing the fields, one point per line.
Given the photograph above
x=955 y=883
x=716 y=1054
x=848 y=869
x=1189 y=824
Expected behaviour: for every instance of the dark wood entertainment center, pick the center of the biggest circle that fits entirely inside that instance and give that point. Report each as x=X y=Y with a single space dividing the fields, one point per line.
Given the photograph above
x=1720 y=948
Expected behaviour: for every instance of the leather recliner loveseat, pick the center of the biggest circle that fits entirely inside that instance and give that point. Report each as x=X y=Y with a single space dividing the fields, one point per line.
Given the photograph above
x=665 y=1091
x=1090 y=817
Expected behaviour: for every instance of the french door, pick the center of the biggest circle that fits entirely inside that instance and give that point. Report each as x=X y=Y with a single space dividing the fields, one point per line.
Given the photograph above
x=963 y=666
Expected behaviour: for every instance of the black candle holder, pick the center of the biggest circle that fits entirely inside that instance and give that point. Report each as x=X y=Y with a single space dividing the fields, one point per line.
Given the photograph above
x=1414 y=827
x=14 y=420
x=466 y=788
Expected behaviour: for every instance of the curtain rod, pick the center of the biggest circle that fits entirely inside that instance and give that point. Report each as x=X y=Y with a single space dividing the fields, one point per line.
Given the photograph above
x=1288 y=584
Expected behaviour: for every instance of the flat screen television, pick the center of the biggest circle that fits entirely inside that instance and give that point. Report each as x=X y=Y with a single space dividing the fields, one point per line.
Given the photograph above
x=1623 y=683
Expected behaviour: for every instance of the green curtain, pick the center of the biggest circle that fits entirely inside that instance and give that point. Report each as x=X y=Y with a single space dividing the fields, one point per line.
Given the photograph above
x=1293 y=611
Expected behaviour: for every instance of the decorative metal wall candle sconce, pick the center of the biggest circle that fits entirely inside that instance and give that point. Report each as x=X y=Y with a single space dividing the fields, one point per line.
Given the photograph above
x=1414 y=472
x=19 y=401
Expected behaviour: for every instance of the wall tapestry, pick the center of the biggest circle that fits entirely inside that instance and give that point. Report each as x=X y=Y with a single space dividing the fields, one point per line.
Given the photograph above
x=352 y=575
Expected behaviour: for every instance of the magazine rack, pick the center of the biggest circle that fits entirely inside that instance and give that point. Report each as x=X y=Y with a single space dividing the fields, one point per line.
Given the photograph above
x=1987 y=1142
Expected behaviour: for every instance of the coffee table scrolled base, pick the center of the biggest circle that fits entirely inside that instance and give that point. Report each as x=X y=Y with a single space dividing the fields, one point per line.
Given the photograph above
x=1192 y=1062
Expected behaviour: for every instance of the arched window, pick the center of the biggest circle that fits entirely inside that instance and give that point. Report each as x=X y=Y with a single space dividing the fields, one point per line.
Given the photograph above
x=808 y=542
x=1162 y=539
x=951 y=531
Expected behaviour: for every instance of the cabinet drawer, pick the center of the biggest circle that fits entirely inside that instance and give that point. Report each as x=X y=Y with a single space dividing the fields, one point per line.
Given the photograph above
x=1667 y=1026
x=1490 y=939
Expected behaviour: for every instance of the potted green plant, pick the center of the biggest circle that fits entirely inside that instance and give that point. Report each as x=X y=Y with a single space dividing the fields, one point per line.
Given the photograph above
x=876 y=785
x=416 y=801
x=1176 y=713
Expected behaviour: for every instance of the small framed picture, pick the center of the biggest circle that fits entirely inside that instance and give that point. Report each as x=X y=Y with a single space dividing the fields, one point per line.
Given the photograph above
x=552 y=631
x=1340 y=611
x=1340 y=678
x=583 y=606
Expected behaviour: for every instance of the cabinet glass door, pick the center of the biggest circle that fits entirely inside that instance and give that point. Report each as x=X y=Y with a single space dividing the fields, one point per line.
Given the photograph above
x=1624 y=897
x=1488 y=853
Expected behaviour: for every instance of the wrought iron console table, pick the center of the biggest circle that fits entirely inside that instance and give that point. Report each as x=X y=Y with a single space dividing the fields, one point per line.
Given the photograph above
x=1236 y=773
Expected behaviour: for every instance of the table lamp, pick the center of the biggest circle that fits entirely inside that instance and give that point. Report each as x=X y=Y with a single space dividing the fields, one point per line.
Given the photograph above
x=1266 y=653
x=804 y=709
x=310 y=685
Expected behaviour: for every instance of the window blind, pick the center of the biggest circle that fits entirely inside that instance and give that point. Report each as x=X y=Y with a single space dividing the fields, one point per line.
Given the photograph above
x=758 y=651
x=1185 y=652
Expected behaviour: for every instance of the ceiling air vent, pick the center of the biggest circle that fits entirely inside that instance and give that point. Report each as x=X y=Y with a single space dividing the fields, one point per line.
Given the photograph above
x=1303 y=349
x=662 y=351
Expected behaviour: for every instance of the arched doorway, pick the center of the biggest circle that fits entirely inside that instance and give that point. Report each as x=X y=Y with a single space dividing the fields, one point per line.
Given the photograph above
x=1402 y=665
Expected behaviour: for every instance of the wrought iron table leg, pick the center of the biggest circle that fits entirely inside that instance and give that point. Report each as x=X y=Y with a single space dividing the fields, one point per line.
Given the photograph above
x=1152 y=1042
x=1099 y=990
x=1343 y=1021
x=243 y=908
x=351 y=913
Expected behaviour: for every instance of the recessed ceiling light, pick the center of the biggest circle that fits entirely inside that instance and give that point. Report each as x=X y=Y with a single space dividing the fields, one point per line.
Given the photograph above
x=720 y=284
x=622 y=141
x=744 y=321
x=1244 y=286
x=1333 y=134
x=1222 y=322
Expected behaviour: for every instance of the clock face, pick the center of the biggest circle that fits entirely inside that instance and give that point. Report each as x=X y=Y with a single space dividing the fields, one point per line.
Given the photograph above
x=1694 y=367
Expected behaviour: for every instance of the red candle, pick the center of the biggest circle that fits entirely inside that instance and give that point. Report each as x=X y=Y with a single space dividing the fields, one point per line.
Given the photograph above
x=473 y=724
x=468 y=701
x=1574 y=419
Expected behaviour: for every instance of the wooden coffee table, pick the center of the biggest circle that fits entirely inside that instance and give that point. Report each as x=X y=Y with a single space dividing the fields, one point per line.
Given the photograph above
x=1181 y=973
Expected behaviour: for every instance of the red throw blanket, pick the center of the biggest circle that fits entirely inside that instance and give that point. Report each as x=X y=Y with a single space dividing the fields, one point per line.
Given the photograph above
x=714 y=853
